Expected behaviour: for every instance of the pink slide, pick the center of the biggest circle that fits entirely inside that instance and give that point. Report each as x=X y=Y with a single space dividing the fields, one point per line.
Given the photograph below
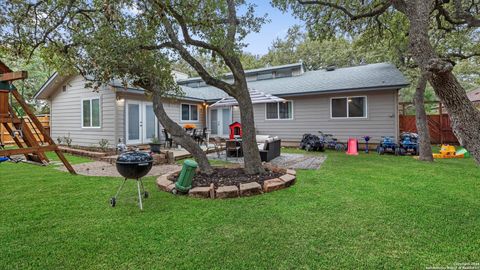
x=352 y=147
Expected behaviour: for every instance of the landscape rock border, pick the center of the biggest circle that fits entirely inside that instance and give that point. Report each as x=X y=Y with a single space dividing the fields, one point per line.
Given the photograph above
x=165 y=183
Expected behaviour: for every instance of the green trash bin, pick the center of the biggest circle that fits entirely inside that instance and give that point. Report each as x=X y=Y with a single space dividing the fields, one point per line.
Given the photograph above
x=184 y=182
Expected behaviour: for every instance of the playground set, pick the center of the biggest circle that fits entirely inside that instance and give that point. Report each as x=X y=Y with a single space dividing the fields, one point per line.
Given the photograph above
x=24 y=138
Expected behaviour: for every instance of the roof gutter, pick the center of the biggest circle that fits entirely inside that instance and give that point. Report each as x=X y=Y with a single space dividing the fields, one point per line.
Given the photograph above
x=390 y=87
x=135 y=91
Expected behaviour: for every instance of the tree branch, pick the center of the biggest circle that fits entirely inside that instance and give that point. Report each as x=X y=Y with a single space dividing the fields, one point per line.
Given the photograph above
x=378 y=10
x=187 y=56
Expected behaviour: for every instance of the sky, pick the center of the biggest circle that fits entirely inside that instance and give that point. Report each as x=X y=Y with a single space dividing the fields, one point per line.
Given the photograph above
x=258 y=43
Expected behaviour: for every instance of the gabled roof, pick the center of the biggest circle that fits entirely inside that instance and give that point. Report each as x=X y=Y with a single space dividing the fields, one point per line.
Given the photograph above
x=474 y=95
x=49 y=87
x=380 y=76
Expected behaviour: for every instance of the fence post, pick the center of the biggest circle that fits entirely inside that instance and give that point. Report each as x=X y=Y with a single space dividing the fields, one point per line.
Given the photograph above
x=440 y=110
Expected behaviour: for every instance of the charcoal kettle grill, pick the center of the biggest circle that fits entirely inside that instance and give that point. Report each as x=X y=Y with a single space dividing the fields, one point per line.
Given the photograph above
x=133 y=165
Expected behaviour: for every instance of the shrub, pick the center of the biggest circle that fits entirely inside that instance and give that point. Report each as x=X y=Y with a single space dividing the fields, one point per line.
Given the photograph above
x=103 y=144
x=68 y=140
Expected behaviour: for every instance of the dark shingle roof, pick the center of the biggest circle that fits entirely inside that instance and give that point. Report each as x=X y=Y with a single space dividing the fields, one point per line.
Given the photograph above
x=373 y=76
x=378 y=76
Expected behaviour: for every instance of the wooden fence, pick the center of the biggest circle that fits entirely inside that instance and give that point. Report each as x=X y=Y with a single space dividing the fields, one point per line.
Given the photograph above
x=7 y=139
x=439 y=126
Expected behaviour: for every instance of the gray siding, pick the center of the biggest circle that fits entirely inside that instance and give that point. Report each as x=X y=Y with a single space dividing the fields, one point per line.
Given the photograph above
x=312 y=113
x=173 y=109
x=66 y=115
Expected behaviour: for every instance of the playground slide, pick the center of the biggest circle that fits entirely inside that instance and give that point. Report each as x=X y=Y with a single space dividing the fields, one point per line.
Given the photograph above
x=352 y=147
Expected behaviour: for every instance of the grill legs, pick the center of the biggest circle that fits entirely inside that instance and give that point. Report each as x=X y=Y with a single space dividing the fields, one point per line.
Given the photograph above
x=139 y=193
x=140 y=189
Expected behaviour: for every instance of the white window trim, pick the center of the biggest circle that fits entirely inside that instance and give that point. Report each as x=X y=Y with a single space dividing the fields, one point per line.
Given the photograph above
x=278 y=112
x=91 y=111
x=189 y=113
x=348 y=117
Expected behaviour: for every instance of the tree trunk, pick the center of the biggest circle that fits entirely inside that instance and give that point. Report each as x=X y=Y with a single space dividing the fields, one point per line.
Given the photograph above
x=463 y=115
x=180 y=136
x=425 y=147
x=251 y=156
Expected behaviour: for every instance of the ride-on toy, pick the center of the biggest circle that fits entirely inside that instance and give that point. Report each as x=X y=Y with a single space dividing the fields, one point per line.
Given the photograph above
x=312 y=142
x=448 y=151
x=408 y=144
x=387 y=145
x=330 y=142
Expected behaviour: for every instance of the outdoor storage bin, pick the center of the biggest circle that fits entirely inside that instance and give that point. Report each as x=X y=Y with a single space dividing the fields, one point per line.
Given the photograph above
x=184 y=182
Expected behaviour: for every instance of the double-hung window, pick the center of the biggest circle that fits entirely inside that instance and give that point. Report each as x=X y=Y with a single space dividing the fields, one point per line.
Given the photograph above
x=279 y=110
x=91 y=113
x=189 y=112
x=348 y=107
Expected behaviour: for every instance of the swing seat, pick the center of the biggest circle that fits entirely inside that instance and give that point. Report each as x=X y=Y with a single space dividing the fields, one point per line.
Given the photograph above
x=2 y=159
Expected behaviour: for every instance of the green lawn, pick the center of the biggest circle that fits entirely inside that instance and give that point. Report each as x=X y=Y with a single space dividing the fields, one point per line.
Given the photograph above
x=363 y=212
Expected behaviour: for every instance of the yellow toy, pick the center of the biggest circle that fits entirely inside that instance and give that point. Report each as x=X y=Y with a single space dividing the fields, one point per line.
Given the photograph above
x=448 y=151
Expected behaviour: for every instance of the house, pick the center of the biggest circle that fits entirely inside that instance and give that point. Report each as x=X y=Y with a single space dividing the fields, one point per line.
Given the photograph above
x=347 y=102
x=474 y=97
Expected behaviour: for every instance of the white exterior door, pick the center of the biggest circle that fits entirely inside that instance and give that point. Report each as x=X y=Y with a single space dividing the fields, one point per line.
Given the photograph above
x=141 y=122
x=220 y=119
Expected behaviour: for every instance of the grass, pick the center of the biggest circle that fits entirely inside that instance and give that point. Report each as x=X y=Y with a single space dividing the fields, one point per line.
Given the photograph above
x=360 y=212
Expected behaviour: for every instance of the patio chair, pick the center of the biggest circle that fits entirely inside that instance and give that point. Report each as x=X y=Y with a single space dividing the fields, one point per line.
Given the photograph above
x=218 y=145
x=232 y=147
x=168 y=140
x=201 y=138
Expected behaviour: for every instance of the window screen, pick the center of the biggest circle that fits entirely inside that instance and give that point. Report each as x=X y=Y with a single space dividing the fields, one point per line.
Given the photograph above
x=339 y=107
x=356 y=107
x=185 y=112
x=272 y=111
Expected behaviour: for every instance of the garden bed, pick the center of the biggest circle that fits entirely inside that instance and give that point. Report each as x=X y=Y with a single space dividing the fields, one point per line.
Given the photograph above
x=232 y=182
x=231 y=177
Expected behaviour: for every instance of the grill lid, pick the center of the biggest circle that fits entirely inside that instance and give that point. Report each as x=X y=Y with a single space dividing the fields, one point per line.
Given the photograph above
x=134 y=157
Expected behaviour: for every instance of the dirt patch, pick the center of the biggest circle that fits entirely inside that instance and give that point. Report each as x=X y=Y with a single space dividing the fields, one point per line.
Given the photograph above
x=231 y=177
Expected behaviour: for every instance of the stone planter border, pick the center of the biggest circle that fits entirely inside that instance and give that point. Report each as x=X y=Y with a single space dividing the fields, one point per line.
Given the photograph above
x=165 y=183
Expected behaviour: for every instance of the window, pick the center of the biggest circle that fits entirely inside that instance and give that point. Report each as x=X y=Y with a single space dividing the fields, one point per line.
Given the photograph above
x=91 y=113
x=283 y=73
x=264 y=76
x=349 y=107
x=189 y=112
x=279 y=110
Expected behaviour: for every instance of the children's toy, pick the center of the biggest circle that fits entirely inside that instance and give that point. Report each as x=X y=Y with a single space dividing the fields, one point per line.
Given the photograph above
x=448 y=151
x=408 y=144
x=312 y=142
x=330 y=142
x=352 y=147
x=463 y=151
x=387 y=145
x=366 y=138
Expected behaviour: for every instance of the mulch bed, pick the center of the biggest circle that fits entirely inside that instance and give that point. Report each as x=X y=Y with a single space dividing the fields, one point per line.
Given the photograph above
x=231 y=177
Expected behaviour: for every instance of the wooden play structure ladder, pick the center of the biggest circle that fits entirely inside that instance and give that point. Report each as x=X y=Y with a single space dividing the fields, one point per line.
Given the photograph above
x=19 y=129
